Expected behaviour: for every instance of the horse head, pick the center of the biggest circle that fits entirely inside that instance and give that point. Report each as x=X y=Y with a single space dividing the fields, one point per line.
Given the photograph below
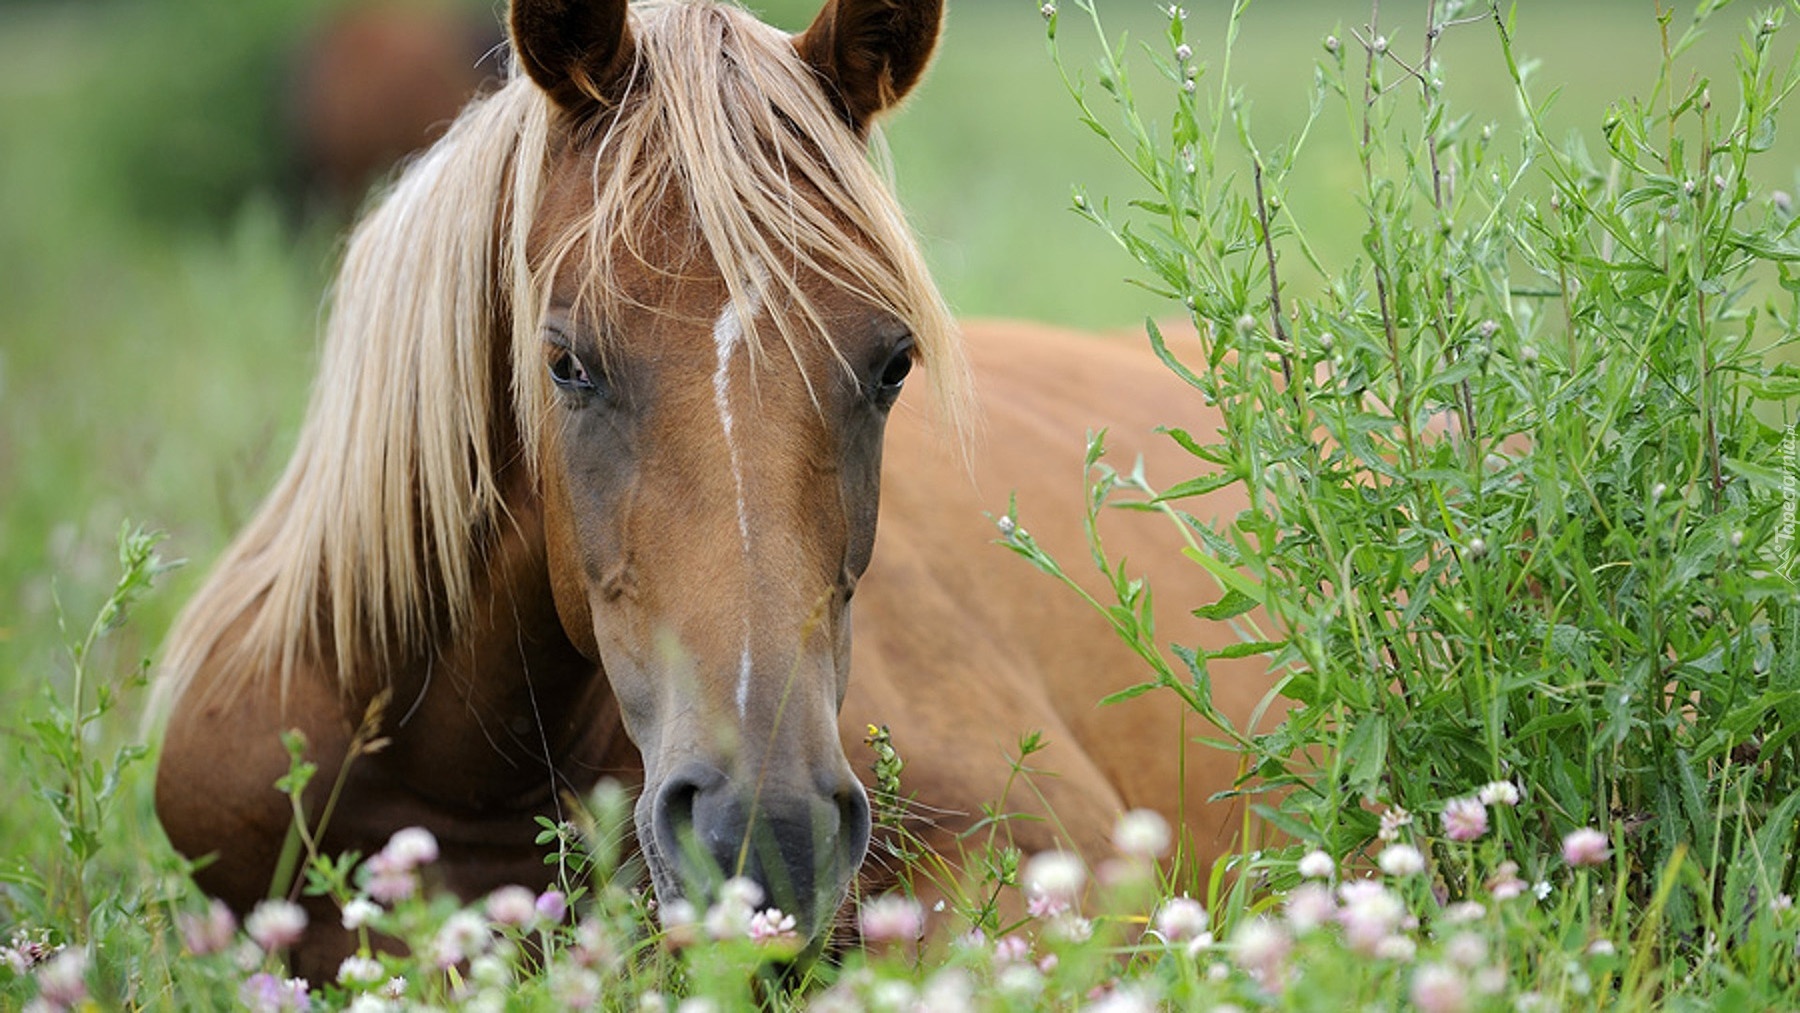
x=729 y=308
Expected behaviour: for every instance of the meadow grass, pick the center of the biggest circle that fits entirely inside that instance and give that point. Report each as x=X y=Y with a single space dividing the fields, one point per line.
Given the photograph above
x=160 y=317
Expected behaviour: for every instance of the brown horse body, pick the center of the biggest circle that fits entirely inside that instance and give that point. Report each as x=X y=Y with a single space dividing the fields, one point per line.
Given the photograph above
x=645 y=569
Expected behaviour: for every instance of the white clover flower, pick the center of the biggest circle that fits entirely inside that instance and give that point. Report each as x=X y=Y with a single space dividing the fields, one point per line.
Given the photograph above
x=62 y=981
x=1466 y=950
x=276 y=924
x=357 y=970
x=1370 y=913
x=771 y=926
x=1401 y=860
x=1316 y=865
x=1141 y=833
x=1463 y=912
x=1309 y=906
x=1260 y=947
x=1438 y=988
x=1180 y=920
x=412 y=847
x=951 y=990
x=201 y=934
x=1396 y=948
x=1053 y=882
x=463 y=936
x=892 y=918
x=359 y=912
x=1585 y=846
x=1391 y=821
x=1465 y=819
x=1498 y=793
x=512 y=906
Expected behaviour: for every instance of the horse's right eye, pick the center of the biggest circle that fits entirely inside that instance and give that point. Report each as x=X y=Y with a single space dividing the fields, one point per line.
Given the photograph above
x=567 y=372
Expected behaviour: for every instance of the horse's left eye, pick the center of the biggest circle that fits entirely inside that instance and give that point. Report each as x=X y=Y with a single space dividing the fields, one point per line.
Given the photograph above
x=893 y=375
x=567 y=372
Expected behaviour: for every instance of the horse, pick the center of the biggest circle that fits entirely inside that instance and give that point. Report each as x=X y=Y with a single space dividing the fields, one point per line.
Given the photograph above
x=588 y=487
x=375 y=82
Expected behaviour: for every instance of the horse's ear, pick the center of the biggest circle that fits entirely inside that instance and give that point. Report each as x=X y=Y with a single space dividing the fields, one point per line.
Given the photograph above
x=579 y=51
x=871 y=52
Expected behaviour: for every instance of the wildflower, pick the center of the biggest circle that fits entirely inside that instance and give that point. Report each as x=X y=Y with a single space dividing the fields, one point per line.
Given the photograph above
x=359 y=970
x=208 y=933
x=1464 y=912
x=1498 y=793
x=594 y=945
x=680 y=924
x=1245 y=325
x=490 y=971
x=1541 y=889
x=1439 y=988
x=951 y=990
x=1316 y=865
x=1141 y=833
x=1009 y=949
x=512 y=906
x=1505 y=883
x=1331 y=43
x=892 y=918
x=1396 y=948
x=1391 y=822
x=551 y=906
x=1465 y=819
x=1602 y=948
x=1370 y=913
x=276 y=924
x=62 y=981
x=1260 y=947
x=1401 y=860
x=1309 y=906
x=395 y=989
x=463 y=936
x=388 y=879
x=1381 y=43
x=1181 y=920
x=359 y=912
x=369 y=1002
x=1007 y=526
x=265 y=993
x=1184 y=52
x=412 y=847
x=1477 y=547
x=575 y=988
x=1048 y=11
x=771 y=926
x=1134 y=998
x=1020 y=981
x=1781 y=902
x=1071 y=928
x=1585 y=846
x=1466 y=949
x=730 y=915
x=1053 y=881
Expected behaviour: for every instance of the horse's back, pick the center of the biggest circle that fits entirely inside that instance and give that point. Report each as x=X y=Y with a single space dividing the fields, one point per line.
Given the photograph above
x=962 y=648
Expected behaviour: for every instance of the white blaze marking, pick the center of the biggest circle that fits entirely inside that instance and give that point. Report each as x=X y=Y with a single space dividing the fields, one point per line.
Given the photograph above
x=728 y=334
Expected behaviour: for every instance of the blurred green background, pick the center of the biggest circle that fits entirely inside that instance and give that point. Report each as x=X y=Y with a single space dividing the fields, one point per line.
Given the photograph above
x=161 y=264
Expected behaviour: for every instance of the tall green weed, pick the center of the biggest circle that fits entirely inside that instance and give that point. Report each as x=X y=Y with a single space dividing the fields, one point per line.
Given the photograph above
x=1520 y=474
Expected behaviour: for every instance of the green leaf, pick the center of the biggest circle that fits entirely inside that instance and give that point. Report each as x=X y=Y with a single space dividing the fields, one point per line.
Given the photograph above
x=1235 y=603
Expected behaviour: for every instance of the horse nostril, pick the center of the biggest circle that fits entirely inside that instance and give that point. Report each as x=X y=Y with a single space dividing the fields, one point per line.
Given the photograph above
x=853 y=825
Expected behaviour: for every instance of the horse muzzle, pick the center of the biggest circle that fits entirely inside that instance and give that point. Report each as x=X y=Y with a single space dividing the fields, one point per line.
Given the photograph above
x=699 y=827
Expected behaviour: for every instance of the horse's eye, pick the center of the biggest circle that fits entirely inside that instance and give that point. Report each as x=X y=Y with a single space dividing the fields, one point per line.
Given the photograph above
x=567 y=372
x=893 y=375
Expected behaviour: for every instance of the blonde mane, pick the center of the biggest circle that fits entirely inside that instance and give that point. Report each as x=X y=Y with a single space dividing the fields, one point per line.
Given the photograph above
x=369 y=545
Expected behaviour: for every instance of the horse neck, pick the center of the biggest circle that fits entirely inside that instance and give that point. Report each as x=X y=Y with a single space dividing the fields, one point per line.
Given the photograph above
x=504 y=711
